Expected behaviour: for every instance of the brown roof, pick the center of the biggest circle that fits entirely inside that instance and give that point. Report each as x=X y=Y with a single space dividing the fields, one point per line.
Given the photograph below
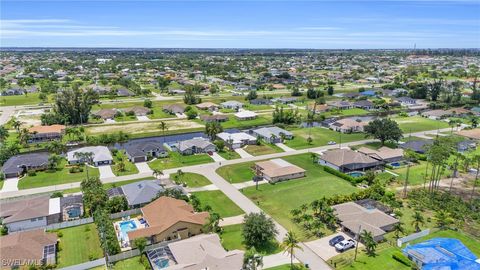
x=174 y=107
x=349 y=123
x=25 y=209
x=26 y=245
x=47 y=129
x=318 y=108
x=470 y=133
x=341 y=157
x=165 y=212
x=214 y=117
x=278 y=167
x=106 y=113
x=206 y=105
x=138 y=110
x=382 y=153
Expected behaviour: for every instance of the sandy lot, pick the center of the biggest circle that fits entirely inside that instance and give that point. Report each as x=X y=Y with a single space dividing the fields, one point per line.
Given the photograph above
x=137 y=128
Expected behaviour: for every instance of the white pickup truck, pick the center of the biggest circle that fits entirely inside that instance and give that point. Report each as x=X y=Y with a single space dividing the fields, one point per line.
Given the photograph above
x=345 y=245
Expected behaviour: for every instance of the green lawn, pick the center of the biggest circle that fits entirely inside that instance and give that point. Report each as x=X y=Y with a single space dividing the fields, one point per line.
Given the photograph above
x=60 y=176
x=219 y=202
x=296 y=266
x=129 y=264
x=278 y=199
x=320 y=137
x=125 y=118
x=232 y=239
x=191 y=179
x=1 y=184
x=75 y=249
x=175 y=160
x=227 y=154
x=29 y=99
x=237 y=173
x=262 y=149
x=259 y=121
x=348 y=112
x=418 y=123
x=130 y=168
x=158 y=113
x=417 y=173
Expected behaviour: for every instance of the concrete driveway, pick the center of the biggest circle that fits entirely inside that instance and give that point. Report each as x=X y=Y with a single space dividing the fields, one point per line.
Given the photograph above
x=284 y=147
x=105 y=171
x=215 y=156
x=143 y=167
x=243 y=153
x=143 y=118
x=10 y=184
x=323 y=249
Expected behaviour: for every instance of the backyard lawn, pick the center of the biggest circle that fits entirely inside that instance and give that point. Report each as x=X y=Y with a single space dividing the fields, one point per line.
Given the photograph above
x=158 y=113
x=175 y=160
x=60 y=176
x=191 y=179
x=75 y=249
x=237 y=173
x=278 y=199
x=262 y=149
x=129 y=264
x=259 y=121
x=219 y=202
x=232 y=239
x=418 y=123
x=320 y=137
x=417 y=173
x=130 y=168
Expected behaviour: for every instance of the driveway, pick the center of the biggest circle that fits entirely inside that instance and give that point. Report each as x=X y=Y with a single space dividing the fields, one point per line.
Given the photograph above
x=243 y=153
x=105 y=171
x=143 y=118
x=284 y=147
x=143 y=167
x=215 y=156
x=110 y=121
x=323 y=249
x=10 y=184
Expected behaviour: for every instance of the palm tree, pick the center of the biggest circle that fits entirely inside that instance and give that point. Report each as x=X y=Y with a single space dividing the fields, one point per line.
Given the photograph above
x=443 y=219
x=398 y=229
x=3 y=133
x=163 y=126
x=56 y=147
x=16 y=124
x=289 y=244
x=86 y=158
x=314 y=157
x=213 y=222
x=417 y=220
x=157 y=172
x=251 y=260
x=53 y=161
x=140 y=243
x=474 y=122
x=369 y=242
x=24 y=136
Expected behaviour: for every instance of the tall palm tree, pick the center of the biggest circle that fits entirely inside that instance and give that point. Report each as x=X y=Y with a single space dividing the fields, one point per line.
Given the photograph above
x=398 y=229
x=163 y=126
x=289 y=244
x=157 y=172
x=16 y=124
x=417 y=220
x=85 y=157
x=369 y=242
x=24 y=136
x=251 y=260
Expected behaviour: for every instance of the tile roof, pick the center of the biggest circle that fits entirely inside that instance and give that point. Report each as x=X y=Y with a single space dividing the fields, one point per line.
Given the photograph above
x=25 y=209
x=27 y=245
x=278 y=167
x=47 y=129
x=382 y=153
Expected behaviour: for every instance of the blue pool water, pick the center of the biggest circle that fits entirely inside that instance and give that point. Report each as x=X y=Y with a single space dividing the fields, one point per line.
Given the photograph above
x=355 y=174
x=73 y=212
x=395 y=164
x=162 y=263
x=126 y=226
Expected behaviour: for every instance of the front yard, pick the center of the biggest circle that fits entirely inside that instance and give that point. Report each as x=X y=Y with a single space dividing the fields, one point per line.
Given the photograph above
x=191 y=179
x=219 y=202
x=279 y=199
x=262 y=149
x=78 y=245
x=231 y=237
x=418 y=123
x=128 y=168
x=175 y=160
x=237 y=173
x=60 y=176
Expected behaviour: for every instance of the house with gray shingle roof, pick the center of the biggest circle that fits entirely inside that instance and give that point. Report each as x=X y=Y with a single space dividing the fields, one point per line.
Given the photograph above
x=139 y=193
x=272 y=134
x=20 y=164
x=140 y=151
x=232 y=104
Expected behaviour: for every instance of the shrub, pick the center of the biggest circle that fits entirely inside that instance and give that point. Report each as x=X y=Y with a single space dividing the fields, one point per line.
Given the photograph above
x=351 y=179
x=399 y=257
x=59 y=234
x=56 y=194
x=31 y=173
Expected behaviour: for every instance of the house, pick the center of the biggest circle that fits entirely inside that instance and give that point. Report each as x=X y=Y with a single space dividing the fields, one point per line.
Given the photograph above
x=36 y=247
x=46 y=133
x=406 y=101
x=351 y=95
x=384 y=153
x=106 y=113
x=210 y=106
x=341 y=105
x=236 y=140
x=175 y=108
x=139 y=193
x=101 y=155
x=168 y=219
x=261 y=101
x=31 y=213
x=195 y=146
x=176 y=92
x=348 y=125
x=200 y=252
x=435 y=114
x=466 y=145
x=346 y=160
x=232 y=104
x=364 y=104
x=214 y=118
x=276 y=170
x=272 y=134
x=353 y=217
x=141 y=151
x=13 y=92
x=418 y=146
x=319 y=108
x=139 y=111
x=285 y=100
x=123 y=92
x=245 y=115
x=368 y=93
x=470 y=133
x=17 y=165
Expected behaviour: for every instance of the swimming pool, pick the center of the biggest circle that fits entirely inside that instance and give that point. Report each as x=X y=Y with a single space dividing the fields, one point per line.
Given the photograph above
x=355 y=174
x=73 y=212
x=161 y=263
x=125 y=227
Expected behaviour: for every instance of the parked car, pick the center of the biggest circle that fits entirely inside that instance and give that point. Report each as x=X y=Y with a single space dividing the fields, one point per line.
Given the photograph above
x=210 y=153
x=331 y=143
x=335 y=240
x=345 y=245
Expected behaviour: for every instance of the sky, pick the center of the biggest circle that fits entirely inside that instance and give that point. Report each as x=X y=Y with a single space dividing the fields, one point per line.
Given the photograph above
x=360 y=24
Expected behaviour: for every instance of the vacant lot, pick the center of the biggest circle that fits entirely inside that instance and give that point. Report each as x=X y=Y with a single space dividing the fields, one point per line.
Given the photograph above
x=320 y=137
x=175 y=160
x=279 y=199
x=237 y=173
x=262 y=149
x=418 y=123
x=219 y=202
x=79 y=244
x=232 y=239
x=143 y=127
x=191 y=179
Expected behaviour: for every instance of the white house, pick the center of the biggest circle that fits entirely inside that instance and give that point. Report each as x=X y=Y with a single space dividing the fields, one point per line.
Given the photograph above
x=272 y=134
x=236 y=140
x=245 y=115
x=101 y=155
x=232 y=104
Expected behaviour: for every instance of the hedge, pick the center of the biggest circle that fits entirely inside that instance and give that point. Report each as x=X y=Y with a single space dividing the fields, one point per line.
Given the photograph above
x=351 y=179
x=398 y=256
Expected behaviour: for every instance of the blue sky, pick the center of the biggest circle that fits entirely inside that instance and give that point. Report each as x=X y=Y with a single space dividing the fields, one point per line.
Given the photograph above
x=241 y=24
